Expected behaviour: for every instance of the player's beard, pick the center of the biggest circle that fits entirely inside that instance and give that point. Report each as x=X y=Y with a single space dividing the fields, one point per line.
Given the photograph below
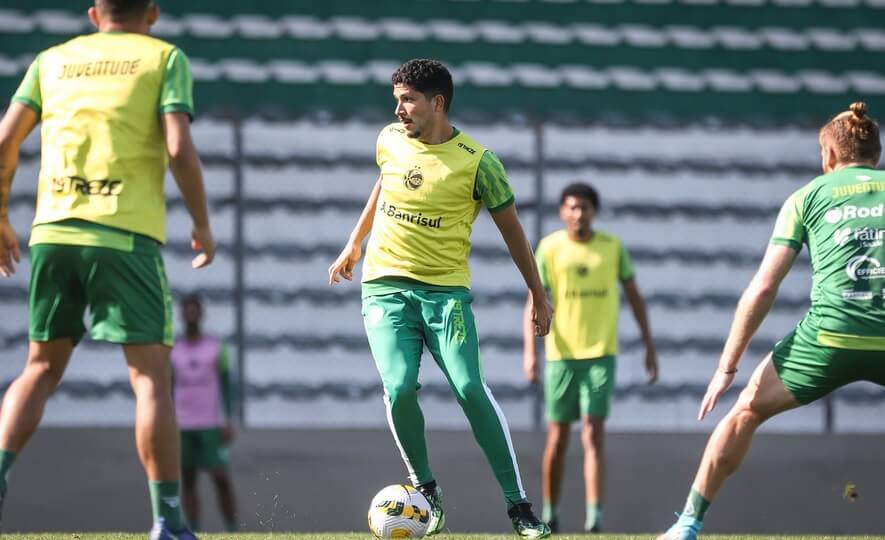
x=412 y=129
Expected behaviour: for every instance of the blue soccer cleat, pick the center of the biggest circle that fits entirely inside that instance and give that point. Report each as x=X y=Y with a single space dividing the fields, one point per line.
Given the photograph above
x=161 y=532
x=685 y=528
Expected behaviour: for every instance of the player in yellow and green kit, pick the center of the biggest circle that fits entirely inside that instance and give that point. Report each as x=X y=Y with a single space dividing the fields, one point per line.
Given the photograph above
x=416 y=284
x=582 y=268
x=840 y=216
x=115 y=109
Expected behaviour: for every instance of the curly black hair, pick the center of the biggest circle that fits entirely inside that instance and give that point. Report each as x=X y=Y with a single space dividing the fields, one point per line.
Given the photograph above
x=581 y=190
x=123 y=9
x=429 y=77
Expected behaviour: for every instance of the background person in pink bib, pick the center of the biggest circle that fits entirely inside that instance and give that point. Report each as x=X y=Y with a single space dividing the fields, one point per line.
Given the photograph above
x=203 y=404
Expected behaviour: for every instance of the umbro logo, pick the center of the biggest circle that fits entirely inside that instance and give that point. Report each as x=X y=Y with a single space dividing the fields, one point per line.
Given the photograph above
x=171 y=502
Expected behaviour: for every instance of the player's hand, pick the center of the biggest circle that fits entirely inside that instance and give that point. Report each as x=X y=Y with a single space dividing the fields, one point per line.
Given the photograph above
x=542 y=314
x=202 y=241
x=718 y=385
x=345 y=263
x=9 y=252
x=227 y=434
x=651 y=365
x=530 y=368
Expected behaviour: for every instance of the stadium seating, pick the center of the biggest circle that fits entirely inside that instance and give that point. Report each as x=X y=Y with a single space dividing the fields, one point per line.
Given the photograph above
x=694 y=118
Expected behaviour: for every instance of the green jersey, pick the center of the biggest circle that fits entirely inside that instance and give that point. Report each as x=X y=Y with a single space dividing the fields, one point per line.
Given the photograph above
x=841 y=217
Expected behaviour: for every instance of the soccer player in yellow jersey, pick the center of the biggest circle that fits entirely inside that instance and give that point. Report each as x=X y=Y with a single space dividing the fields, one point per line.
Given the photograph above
x=115 y=109
x=416 y=283
x=582 y=267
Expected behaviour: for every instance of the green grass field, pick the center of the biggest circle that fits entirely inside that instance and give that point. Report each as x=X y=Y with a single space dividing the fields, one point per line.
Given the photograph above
x=363 y=536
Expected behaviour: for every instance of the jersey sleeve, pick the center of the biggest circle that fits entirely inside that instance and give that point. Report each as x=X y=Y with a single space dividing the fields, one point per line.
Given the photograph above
x=379 y=147
x=541 y=262
x=177 y=93
x=625 y=264
x=491 y=186
x=789 y=229
x=28 y=93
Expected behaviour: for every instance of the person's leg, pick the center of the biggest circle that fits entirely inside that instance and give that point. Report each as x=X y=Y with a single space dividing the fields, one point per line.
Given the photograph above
x=226 y=501
x=552 y=469
x=562 y=392
x=452 y=339
x=156 y=431
x=597 y=382
x=214 y=457
x=396 y=338
x=764 y=397
x=592 y=439
x=396 y=342
x=450 y=334
x=56 y=303
x=26 y=398
x=189 y=498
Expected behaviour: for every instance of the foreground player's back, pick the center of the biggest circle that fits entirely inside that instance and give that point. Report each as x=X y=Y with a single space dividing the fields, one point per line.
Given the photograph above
x=98 y=99
x=840 y=215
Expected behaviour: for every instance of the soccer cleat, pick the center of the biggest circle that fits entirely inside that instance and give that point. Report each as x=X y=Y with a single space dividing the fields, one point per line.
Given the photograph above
x=161 y=532
x=685 y=528
x=437 y=516
x=525 y=523
x=553 y=523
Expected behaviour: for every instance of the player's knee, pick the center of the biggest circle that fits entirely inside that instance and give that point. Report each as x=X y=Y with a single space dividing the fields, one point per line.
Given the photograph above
x=43 y=371
x=221 y=480
x=471 y=392
x=557 y=440
x=746 y=414
x=591 y=439
x=401 y=394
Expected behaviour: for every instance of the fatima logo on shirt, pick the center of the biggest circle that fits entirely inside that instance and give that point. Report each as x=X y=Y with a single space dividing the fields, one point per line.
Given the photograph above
x=414 y=178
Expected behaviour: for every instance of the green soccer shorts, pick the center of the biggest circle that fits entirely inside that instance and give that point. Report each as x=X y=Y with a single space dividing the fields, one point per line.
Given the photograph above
x=203 y=449
x=576 y=388
x=126 y=293
x=810 y=370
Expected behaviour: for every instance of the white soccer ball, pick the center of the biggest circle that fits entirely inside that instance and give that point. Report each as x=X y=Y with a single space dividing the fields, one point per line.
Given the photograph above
x=399 y=511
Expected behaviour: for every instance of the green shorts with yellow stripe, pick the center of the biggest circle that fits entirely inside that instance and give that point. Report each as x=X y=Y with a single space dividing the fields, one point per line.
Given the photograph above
x=577 y=388
x=810 y=370
x=122 y=283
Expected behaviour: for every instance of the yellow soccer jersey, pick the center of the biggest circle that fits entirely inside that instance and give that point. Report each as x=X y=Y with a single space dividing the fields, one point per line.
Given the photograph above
x=103 y=156
x=430 y=197
x=583 y=279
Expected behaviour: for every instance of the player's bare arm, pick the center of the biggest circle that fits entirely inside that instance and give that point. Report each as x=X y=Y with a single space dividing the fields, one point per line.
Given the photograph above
x=350 y=255
x=529 y=351
x=640 y=313
x=17 y=123
x=754 y=305
x=508 y=223
x=184 y=161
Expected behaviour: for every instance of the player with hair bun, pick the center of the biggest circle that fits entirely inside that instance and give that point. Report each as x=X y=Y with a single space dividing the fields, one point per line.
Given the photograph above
x=841 y=339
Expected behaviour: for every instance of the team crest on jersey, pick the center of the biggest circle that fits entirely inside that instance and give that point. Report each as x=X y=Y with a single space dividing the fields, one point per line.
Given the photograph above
x=413 y=179
x=582 y=270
